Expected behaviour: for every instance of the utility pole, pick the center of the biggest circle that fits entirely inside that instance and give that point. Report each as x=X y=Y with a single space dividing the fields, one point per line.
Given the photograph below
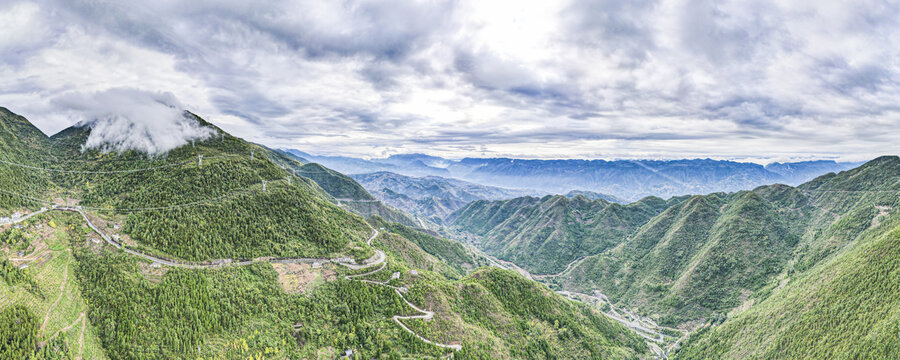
x=264 y=185
x=200 y=160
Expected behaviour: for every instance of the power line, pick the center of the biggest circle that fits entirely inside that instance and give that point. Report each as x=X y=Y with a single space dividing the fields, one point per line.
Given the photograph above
x=246 y=190
x=110 y=171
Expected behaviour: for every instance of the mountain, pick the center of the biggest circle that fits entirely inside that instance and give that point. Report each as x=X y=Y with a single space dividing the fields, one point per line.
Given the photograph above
x=237 y=204
x=182 y=255
x=629 y=180
x=544 y=234
x=594 y=196
x=346 y=192
x=799 y=172
x=433 y=197
x=693 y=259
x=21 y=143
x=845 y=305
x=712 y=254
x=409 y=164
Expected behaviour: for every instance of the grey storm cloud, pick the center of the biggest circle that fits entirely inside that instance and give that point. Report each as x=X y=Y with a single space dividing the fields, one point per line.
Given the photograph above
x=461 y=77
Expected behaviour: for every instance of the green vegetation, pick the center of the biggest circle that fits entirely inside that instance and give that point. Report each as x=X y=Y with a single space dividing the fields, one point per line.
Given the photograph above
x=544 y=235
x=242 y=311
x=49 y=291
x=845 y=308
x=451 y=253
x=840 y=300
x=704 y=259
x=336 y=184
x=21 y=143
x=18 y=332
x=93 y=301
x=353 y=197
x=230 y=214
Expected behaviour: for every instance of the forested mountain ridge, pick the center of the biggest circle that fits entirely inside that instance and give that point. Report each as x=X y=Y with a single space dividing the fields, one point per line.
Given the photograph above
x=696 y=258
x=630 y=180
x=842 y=301
x=236 y=201
x=544 y=234
x=346 y=192
x=714 y=253
x=21 y=143
x=433 y=197
x=232 y=203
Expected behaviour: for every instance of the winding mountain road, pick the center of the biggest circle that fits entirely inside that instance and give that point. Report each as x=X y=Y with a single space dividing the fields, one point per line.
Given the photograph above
x=425 y=314
x=378 y=259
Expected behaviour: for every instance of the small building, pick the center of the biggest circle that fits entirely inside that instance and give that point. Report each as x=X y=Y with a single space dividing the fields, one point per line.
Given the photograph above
x=395 y=275
x=403 y=289
x=348 y=353
x=316 y=265
x=21 y=253
x=414 y=272
x=115 y=226
x=23 y=266
x=16 y=215
x=95 y=240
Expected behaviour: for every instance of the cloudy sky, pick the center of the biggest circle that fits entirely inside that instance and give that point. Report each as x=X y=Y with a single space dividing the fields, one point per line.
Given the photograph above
x=759 y=80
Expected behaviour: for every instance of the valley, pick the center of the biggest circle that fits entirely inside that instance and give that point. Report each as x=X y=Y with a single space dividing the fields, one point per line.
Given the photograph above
x=653 y=278
x=120 y=235
x=706 y=263
x=449 y=180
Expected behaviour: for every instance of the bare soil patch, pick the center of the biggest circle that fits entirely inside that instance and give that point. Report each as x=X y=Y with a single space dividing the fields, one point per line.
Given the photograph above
x=153 y=272
x=302 y=278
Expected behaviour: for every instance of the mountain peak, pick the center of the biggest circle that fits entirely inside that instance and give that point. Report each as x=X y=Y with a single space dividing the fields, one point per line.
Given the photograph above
x=124 y=119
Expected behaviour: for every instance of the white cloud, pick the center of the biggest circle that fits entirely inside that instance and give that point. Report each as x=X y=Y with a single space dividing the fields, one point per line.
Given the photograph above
x=590 y=78
x=124 y=119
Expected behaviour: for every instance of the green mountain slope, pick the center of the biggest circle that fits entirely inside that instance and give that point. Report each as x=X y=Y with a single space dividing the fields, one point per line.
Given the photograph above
x=99 y=301
x=839 y=300
x=21 y=143
x=544 y=234
x=344 y=191
x=846 y=307
x=448 y=252
x=688 y=261
x=711 y=254
x=432 y=197
x=220 y=209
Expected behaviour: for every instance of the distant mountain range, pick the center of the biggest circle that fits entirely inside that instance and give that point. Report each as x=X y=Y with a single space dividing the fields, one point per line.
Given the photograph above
x=431 y=196
x=218 y=200
x=628 y=180
x=777 y=272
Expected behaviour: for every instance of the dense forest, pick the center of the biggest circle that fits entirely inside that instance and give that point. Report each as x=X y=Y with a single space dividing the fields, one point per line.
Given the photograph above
x=243 y=201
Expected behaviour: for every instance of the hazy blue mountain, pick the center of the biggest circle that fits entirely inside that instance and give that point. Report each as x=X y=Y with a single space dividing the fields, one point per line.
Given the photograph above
x=594 y=196
x=628 y=180
x=799 y=172
x=433 y=197
x=408 y=164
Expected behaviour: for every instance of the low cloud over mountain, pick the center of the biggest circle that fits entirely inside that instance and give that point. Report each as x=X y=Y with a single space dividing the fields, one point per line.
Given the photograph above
x=128 y=119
